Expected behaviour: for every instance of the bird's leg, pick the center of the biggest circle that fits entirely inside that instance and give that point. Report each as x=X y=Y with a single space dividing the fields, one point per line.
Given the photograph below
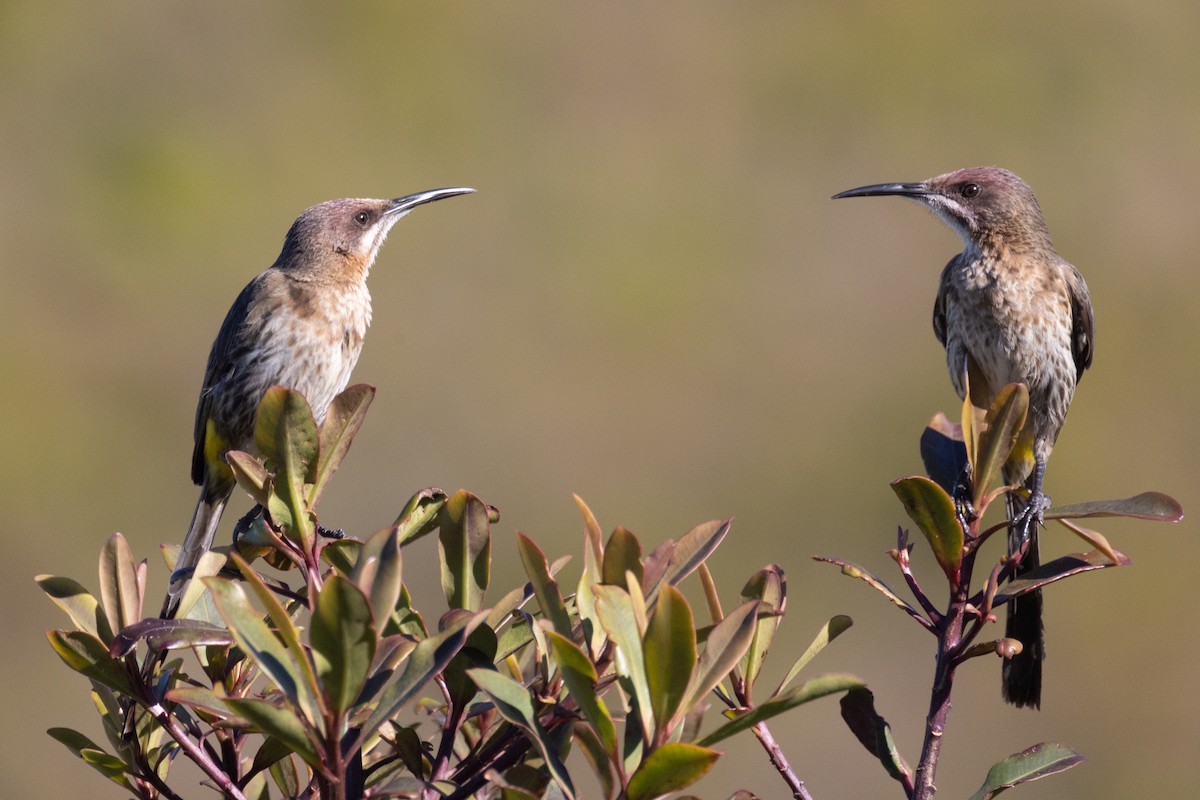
x=1028 y=520
x=963 y=489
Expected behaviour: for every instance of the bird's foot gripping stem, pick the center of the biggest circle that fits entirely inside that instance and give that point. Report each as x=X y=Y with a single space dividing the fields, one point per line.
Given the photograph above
x=963 y=490
x=245 y=521
x=251 y=516
x=1031 y=516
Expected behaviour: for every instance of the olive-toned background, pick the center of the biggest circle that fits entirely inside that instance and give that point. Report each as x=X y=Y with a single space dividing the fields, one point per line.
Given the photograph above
x=651 y=301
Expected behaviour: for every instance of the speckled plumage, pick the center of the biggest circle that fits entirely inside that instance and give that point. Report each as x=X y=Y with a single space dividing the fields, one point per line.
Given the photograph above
x=1012 y=306
x=300 y=324
x=1008 y=310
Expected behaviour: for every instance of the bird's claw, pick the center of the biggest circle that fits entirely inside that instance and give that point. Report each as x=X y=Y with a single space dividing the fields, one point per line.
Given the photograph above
x=962 y=493
x=1032 y=515
x=245 y=521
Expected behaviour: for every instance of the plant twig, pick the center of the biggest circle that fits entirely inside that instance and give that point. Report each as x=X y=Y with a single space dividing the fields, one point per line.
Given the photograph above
x=950 y=639
x=194 y=752
x=900 y=555
x=767 y=740
x=780 y=762
x=511 y=753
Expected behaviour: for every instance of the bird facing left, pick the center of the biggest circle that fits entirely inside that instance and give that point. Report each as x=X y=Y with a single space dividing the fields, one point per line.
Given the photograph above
x=299 y=324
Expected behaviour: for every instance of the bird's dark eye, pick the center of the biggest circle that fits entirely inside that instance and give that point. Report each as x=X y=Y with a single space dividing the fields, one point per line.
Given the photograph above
x=362 y=218
x=969 y=189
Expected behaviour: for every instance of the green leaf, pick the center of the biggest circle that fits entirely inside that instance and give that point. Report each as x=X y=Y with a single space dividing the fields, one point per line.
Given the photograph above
x=478 y=651
x=108 y=765
x=84 y=748
x=515 y=599
x=654 y=567
x=119 y=590
x=208 y=701
x=1058 y=569
x=615 y=610
x=286 y=435
x=852 y=570
x=282 y=515
x=406 y=619
x=390 y=653
x=88 y=656
x=545 y=588
x=585 y=598
x=769 y=587
x=80 y=605
x=515 y=636
x=1096 y=540
x=518 y=597
x=669 y=648
x=291 y=672
x=712 y=598
x=72 y=739
x=597 y=757
x=637 y=602
x=342 y=421
x=277 y=721
x=168 y=634
x=251 y=475
x=830 y=631
x=426 y=660
x=670 y=768
x=465 y=547
x=511 y=698
x=210 y=564
x=113 y=712
x=409 y=748
x=420 y=515
x=1037 y=762
x=579 y=674
x=289 y=634
x=622 y=554
x=591 y=530
x=342 y=554
x=1005 y=419
x=873 y=731
x=534 y=783
x=513 y=702
x=726 y=644
x=343 y=641
x=377 y=572
x=804 y=693
x=692 y=549
x=271 y=752
x=970 y=425
x=928 y=505
x=1147 y=505
x=286 y=777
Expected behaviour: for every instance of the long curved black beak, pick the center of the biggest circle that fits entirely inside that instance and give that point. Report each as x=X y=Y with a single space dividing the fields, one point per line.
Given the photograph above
x=402 y=205
x=883 y=189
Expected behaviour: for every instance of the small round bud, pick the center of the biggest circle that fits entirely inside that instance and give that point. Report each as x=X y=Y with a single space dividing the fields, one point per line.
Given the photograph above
x=1008 y=648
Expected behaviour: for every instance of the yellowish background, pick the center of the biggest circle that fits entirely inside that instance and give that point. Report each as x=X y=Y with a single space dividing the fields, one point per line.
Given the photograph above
x=651 y=301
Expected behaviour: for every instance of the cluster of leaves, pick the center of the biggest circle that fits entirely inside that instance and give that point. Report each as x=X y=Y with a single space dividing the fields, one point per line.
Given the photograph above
x=965 y=463
x=340 y=689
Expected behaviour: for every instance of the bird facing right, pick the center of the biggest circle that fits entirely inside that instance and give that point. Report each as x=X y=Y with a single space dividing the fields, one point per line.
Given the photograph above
x=299 y=324
x=1008 y=310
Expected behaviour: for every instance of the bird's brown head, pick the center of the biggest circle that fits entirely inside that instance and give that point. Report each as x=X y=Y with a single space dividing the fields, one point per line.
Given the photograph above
x=344 y=236
x=984 y=205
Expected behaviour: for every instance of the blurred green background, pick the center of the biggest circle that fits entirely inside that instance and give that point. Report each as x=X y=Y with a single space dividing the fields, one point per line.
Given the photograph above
x=651 y=301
